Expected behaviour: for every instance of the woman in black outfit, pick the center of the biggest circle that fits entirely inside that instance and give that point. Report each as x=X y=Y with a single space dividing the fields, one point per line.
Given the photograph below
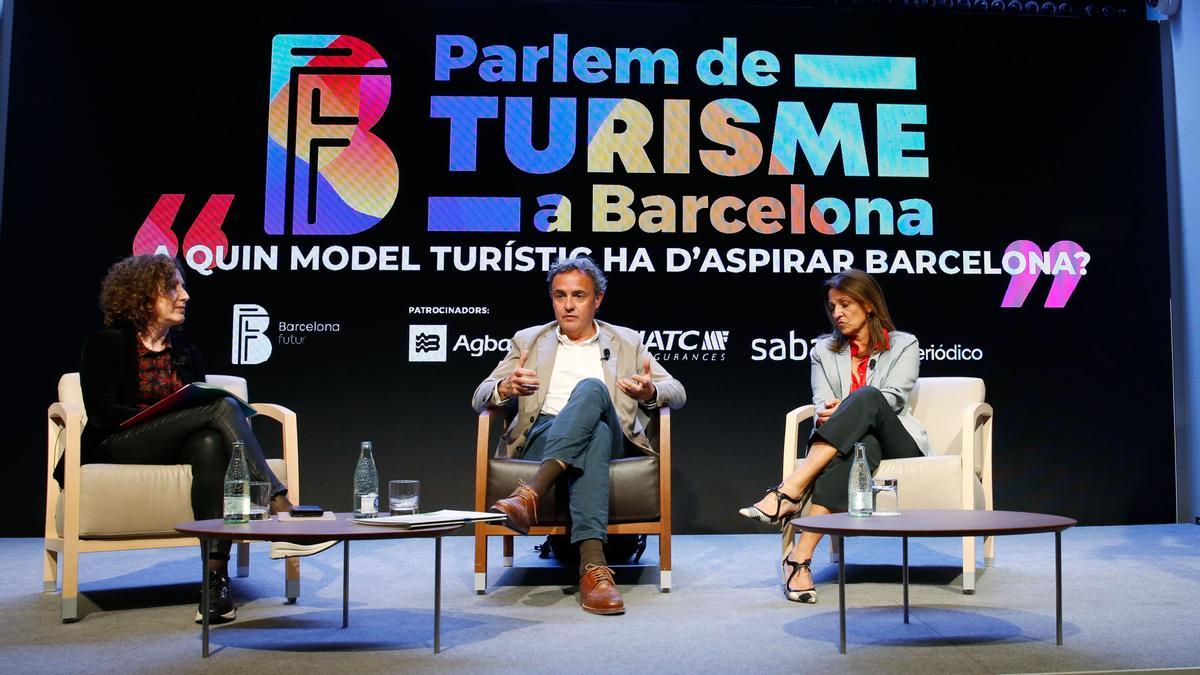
x=138 y=359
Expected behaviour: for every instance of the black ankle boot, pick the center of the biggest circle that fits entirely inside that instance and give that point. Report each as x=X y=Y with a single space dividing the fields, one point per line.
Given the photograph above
x=220 y=600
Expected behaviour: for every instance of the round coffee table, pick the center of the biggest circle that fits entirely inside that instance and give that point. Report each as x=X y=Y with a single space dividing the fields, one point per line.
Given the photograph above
x=936 y=523
x=312 y=531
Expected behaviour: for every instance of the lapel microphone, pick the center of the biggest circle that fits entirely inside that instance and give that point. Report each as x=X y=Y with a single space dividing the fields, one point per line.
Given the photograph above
x=606 y=355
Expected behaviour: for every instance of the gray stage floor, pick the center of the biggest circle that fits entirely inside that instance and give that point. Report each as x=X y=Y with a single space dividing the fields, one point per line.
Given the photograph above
x=1131 y=600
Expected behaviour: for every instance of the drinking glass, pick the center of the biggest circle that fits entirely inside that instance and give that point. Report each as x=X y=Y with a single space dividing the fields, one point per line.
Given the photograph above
x=887 y=496
x=260 y=500
x=404 y=496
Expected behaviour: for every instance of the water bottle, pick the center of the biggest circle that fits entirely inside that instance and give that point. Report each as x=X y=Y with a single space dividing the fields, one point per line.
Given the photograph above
x=861 y=501
x=237 y=486
x=366 y=484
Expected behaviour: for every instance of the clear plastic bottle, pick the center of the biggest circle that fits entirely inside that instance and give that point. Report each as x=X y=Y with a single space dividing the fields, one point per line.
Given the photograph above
x=861 y=500
x=237 y=486
x=366 y=484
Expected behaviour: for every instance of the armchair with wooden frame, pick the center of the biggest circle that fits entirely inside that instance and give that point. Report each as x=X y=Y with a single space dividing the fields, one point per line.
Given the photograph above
x=957 y=475
x=120 y=507
x=639 y=494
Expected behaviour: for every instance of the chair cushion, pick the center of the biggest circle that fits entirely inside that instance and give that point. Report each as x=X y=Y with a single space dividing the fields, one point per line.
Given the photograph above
x=118 y=501
x=933 y=482
x=632 y=489
x=939 y=403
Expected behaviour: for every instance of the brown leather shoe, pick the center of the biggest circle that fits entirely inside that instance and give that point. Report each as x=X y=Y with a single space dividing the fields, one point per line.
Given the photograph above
x=598 y=592
x=520 y=507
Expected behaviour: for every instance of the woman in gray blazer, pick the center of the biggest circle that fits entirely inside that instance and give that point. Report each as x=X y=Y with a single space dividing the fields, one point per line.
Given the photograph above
x=862 y=374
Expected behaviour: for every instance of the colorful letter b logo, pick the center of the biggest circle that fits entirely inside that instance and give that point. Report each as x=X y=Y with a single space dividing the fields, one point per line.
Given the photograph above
x=326 y=173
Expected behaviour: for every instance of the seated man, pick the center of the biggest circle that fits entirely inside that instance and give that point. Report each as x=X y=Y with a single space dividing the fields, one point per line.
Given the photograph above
x=580 y=418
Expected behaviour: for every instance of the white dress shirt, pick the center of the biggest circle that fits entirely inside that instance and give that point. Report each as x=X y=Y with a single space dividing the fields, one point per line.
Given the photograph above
x=573 y=361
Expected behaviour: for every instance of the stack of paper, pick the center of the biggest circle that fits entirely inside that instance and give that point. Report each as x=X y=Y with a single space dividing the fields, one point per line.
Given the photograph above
x=432 y=519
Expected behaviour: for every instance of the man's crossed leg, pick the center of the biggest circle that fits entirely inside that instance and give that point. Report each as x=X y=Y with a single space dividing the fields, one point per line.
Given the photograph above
x=580 y=441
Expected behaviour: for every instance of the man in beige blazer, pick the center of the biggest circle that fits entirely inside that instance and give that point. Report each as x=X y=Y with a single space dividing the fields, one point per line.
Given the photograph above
x=576 y=393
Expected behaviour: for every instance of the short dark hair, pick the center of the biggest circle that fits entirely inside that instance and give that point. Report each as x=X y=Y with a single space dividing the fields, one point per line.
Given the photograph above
x=132 y=286
x=580 y=264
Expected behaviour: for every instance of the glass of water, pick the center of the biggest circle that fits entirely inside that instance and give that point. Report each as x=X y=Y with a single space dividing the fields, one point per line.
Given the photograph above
x=887 y=496
x=404 y=497
x=260 y=500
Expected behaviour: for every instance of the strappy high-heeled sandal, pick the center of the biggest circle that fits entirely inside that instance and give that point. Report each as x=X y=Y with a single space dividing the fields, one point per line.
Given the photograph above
x=807 y=595
x=755 y=513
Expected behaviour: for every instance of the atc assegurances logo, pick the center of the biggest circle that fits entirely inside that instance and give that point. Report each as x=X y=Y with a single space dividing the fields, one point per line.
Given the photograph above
x=327 y=174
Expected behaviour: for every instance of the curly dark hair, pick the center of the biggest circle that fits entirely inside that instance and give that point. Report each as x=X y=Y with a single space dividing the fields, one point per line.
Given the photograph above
x=132 y=286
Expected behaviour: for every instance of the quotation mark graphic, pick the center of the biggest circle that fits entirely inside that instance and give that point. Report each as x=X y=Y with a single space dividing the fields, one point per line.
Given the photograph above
x=155 y=234
x=1066 y=261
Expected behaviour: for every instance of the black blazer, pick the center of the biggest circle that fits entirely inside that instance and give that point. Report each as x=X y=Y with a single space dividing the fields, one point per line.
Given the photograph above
x=108 y=376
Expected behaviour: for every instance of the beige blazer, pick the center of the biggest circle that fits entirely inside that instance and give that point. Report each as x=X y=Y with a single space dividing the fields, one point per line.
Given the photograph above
x=626 y=352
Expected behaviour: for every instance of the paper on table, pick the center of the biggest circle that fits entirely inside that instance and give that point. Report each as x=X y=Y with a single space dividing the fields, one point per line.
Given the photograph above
x=432 y=519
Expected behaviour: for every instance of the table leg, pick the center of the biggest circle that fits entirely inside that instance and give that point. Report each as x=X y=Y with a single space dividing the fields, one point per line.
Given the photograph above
x=204 y=544
x=345 y=583
x=1058 y=587
x=905 y=573
x=437 y=594
x=841 y=544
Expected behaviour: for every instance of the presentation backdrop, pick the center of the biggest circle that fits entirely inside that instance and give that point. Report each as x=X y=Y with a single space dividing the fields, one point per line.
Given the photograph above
x=366 y=197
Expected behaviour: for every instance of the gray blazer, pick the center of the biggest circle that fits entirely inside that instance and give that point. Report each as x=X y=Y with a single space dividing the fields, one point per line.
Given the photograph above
x=894 y=375
x=626 y=354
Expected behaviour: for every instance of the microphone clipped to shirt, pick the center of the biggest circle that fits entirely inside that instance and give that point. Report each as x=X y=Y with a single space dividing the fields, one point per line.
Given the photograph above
x=606 y=354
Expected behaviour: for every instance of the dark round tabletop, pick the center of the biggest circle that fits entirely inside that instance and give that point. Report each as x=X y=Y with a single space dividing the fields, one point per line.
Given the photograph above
x=305 y=530
x=935 y=523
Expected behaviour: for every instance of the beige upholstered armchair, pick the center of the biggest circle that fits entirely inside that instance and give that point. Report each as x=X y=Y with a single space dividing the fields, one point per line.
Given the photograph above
x=958 y=475
x=117 y=507
x=639 y=495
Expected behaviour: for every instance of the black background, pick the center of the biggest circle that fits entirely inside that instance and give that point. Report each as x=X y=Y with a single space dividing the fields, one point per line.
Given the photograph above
x=1038 y=129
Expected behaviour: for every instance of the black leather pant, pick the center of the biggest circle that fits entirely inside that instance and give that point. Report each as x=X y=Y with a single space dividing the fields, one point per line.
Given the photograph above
x=203 y=437
x=864 y=416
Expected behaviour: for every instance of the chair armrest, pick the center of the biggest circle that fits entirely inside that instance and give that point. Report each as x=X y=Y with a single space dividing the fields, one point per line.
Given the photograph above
x=65 y=419
x=290 y=441
x=977 y=452
x=791 y=435
x=481 y=457
x=64 y=411
x=664 y=472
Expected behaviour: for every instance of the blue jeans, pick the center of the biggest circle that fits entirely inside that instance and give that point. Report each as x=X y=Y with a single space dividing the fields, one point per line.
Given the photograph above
x=585 y=435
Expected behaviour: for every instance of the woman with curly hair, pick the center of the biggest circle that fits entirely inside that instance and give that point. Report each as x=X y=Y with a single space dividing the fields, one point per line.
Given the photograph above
x=140 y=357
